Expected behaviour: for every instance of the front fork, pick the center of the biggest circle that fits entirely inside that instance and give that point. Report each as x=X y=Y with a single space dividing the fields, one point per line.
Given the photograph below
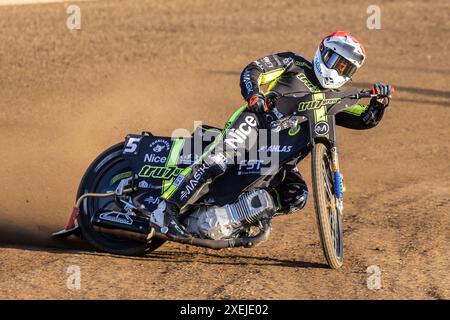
x=338 y=181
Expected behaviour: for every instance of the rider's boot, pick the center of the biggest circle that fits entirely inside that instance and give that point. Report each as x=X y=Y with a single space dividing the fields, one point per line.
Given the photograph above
x=165 y=217
x=171 y=221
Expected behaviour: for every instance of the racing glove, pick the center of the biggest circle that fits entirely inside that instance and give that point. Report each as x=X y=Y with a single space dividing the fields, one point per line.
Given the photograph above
x=257 y=103
x=375 y=110
x=385 y=91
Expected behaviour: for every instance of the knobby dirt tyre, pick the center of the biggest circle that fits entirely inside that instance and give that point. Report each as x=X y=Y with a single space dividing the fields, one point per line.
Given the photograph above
x=329 y=220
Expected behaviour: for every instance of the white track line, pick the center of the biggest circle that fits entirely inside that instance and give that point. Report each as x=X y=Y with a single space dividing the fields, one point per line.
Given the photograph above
x=23 y=2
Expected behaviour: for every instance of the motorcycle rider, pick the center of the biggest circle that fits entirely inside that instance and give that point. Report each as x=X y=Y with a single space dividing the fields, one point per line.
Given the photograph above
x=336 y=60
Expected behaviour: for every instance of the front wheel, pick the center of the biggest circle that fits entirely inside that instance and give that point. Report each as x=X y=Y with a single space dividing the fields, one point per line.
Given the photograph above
x=329 y=217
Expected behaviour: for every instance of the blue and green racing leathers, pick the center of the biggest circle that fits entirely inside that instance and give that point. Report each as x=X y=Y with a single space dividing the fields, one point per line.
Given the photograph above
x=283 y=73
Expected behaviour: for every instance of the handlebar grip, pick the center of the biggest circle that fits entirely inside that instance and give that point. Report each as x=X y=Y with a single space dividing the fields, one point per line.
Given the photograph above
x=363 y=94
x=370 y=94
x=271 y=95
x=367 y=94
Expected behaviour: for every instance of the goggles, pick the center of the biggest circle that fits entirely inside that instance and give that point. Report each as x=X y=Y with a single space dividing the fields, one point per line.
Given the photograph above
x=337 y=62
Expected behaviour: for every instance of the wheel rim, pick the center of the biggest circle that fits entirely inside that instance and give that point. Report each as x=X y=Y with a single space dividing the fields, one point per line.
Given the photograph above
x=334 y=216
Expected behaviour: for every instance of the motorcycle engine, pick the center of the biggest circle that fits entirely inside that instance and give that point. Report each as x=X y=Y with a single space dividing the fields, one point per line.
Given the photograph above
x=227 y=221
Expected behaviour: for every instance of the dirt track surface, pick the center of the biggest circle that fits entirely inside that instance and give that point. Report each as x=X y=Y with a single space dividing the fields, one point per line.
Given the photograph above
x=141 y=65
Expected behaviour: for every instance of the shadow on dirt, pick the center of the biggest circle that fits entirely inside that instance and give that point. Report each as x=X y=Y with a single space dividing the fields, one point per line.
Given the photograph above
x=38 y=238
x=15 y=236
x=232 y=259
x=77 y=246
x=421 y=91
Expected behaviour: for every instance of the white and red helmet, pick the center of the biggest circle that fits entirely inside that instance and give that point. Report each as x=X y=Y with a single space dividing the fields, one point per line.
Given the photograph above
x=338 y=57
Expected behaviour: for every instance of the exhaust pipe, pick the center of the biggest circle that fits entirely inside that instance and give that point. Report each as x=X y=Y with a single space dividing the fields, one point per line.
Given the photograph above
x=126 y=234
x=137 y=228
x=123 y=225
x=246 y=242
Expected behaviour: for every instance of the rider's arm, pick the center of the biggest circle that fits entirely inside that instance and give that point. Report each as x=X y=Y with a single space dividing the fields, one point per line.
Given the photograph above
x=361 y=116
x=367 y=116
x=263 y=71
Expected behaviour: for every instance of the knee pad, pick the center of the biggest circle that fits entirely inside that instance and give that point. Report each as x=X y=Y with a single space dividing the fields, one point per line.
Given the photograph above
x=292 y=194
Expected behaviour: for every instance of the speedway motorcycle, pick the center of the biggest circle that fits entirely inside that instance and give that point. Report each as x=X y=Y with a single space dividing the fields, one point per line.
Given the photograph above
x=125 y=182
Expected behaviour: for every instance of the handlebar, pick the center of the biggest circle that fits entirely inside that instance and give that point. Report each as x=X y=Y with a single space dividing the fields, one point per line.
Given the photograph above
x=272 y=96
x=368 y=94
x=283 y=123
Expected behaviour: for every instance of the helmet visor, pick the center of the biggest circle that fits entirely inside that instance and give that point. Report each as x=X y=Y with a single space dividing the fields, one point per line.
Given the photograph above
x=337 y=62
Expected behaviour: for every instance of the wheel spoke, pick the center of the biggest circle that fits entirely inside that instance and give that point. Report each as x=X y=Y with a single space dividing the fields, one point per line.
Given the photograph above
x=328 y=181
x=328 y=187
x=332 y=225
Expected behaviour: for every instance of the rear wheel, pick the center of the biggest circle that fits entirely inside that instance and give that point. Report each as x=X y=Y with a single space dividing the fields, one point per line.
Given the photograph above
x=104 y=175
x=329 y=217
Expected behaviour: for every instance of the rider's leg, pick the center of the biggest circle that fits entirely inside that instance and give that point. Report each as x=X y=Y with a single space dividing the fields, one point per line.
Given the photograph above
x=291 y=194
x=191 y=184
x=187 y=188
